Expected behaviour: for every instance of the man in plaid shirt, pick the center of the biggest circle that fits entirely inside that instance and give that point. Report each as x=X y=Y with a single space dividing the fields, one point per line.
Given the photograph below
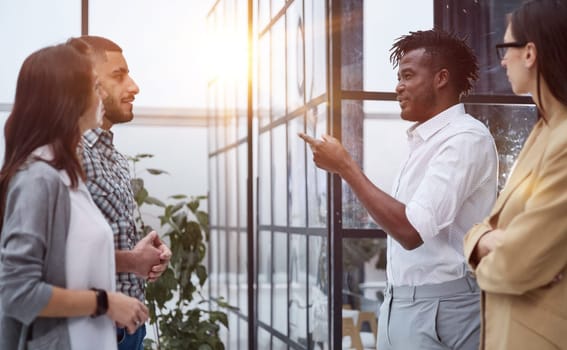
x=108 y=181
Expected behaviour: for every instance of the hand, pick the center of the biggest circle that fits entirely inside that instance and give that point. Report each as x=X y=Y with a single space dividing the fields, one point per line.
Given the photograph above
x=146 y=255
x=165 y=256
x=487 y=243
x=328 y=153
x=126 y=311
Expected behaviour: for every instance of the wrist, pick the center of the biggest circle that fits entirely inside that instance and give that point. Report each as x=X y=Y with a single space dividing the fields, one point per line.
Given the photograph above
x=101 y=302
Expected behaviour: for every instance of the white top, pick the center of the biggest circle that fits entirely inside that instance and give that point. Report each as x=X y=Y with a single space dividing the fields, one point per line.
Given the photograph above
x=89 y=262
x=448 y=183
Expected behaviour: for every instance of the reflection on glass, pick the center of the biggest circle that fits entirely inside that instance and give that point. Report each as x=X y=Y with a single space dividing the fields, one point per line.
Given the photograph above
x=487 y=20
x=214 y=265
x=213 y=192
x=223 y=260
x=233 y=333
x=232 y=273
x=364 y=279
x=318 y=291
x=315 y=49
x=510 y=126
x=222 y=173
x=297 y=195
x=280 y=280
x=242 y=185
x=264 y=339
x=242 y=340
x=243 y=274
x=264 y=277
x=230 y=192
x=211 y=116
x=298 y=306
x=279 y=175
x=264 y=179
x=316 y=125
x=264 y=80
x=295 y=56
x=382 y=25
x=278 y=93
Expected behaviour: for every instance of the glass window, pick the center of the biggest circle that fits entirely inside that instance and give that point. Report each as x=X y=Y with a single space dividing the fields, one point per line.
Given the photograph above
x=279 y=174
x=264 y=179
x=295 y=57
x=383 y=22
x=315 y=49
x=298 y=305
x=25 y=27
x=380 y=151
x=280 y=282
x=162 y=52
x=316 y=126
x=510 y=126
x=265 y=277
x=297 y=187
x=278 y=93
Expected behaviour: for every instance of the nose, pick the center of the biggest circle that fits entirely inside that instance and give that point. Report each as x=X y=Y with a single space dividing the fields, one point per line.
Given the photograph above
x=133 y=87
x=399 y=87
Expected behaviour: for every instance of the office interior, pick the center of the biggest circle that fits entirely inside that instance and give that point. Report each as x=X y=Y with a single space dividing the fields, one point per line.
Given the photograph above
x=226 y=85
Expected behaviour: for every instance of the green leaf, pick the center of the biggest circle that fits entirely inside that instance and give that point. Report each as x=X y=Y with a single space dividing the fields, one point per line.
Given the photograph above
x=141 y=196
x=156 y=171
x=154 y=201
x=144 y=155
x=178 y=196
x=201 y=272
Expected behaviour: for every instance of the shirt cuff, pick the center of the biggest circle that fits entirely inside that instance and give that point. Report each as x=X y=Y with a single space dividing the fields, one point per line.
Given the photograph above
x=422 y=220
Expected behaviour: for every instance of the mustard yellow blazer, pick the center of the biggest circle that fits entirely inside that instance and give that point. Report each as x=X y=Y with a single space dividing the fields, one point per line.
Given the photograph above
x=520 y=310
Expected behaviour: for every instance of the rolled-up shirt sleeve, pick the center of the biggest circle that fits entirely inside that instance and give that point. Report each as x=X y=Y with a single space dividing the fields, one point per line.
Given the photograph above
x=459 y=168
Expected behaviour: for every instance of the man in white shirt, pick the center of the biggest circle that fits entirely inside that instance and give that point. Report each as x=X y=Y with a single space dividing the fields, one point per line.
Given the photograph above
x=447 y=184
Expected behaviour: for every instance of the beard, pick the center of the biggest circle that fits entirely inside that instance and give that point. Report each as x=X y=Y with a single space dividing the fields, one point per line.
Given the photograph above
x=113 y=113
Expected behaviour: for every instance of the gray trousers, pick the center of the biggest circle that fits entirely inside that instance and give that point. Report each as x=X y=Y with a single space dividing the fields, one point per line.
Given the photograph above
x=437 y=316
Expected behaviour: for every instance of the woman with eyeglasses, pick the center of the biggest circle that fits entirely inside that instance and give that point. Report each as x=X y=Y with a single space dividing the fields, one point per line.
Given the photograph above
x=519 y=253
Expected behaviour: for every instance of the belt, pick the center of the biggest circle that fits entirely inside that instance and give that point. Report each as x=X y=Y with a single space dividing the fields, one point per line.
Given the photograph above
x=464 y=284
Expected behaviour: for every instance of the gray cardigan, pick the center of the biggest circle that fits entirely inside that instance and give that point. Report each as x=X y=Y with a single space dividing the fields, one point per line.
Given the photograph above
x=32 y=258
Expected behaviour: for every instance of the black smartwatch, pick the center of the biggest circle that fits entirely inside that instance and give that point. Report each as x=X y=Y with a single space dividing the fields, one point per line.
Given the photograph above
x=101 y=302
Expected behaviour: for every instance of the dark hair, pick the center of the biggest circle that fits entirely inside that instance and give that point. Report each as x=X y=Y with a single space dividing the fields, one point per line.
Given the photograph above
x=100 y=45
x=544 y=23
x=445 y=51
x=53 y=91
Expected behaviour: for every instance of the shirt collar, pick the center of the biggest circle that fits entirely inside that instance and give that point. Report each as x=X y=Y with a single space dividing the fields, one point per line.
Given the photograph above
x=430 y=127
x=92 y=136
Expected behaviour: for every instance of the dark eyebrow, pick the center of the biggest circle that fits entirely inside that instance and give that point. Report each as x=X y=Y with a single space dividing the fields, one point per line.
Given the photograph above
x=120 y=70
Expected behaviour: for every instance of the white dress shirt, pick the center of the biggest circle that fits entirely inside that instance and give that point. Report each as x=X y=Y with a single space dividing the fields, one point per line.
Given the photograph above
x=448 y=183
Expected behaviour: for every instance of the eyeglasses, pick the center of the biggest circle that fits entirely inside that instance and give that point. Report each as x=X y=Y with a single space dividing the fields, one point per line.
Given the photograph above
x=502 y=48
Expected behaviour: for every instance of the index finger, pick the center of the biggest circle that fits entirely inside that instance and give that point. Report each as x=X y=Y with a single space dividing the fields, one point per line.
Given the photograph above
x=310 y=140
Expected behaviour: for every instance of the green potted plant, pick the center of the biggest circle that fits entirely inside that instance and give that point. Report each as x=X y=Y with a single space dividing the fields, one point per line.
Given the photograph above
x=180 y=314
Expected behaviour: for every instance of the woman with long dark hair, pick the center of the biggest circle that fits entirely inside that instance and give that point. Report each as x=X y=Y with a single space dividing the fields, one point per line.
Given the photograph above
x=56 y=249
x=519 y=253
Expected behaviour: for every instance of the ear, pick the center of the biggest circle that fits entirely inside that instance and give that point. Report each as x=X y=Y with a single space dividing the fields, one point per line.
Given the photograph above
x=530 y=55
x=441 y=79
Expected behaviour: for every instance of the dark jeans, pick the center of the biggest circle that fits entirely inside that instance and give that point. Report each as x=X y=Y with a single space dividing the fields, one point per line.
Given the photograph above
x=131 y=341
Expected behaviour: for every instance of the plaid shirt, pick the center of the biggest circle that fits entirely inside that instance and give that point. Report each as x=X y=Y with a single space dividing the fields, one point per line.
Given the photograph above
x=108 y=181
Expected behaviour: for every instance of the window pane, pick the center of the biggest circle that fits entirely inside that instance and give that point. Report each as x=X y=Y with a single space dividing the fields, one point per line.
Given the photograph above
x=315 y=49
x=230 y=195
x=316 y=125
x=510 y=126
x=279 y=175
x=242 y=185
x=280 y=280
x=166 y=53
x=264 y=80
x=264 y=179
x=28 y=25
x=278 y=70
x=380 y=151
x=297 y=196
x=295 y=57
x=318 y=289
x=298 y=305
x=264 y=276
x=232 y=268
x=243 y=255
x=380 y=26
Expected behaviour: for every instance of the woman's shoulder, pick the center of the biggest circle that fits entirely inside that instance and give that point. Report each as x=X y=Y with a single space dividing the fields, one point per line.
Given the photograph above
x=38 y=174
